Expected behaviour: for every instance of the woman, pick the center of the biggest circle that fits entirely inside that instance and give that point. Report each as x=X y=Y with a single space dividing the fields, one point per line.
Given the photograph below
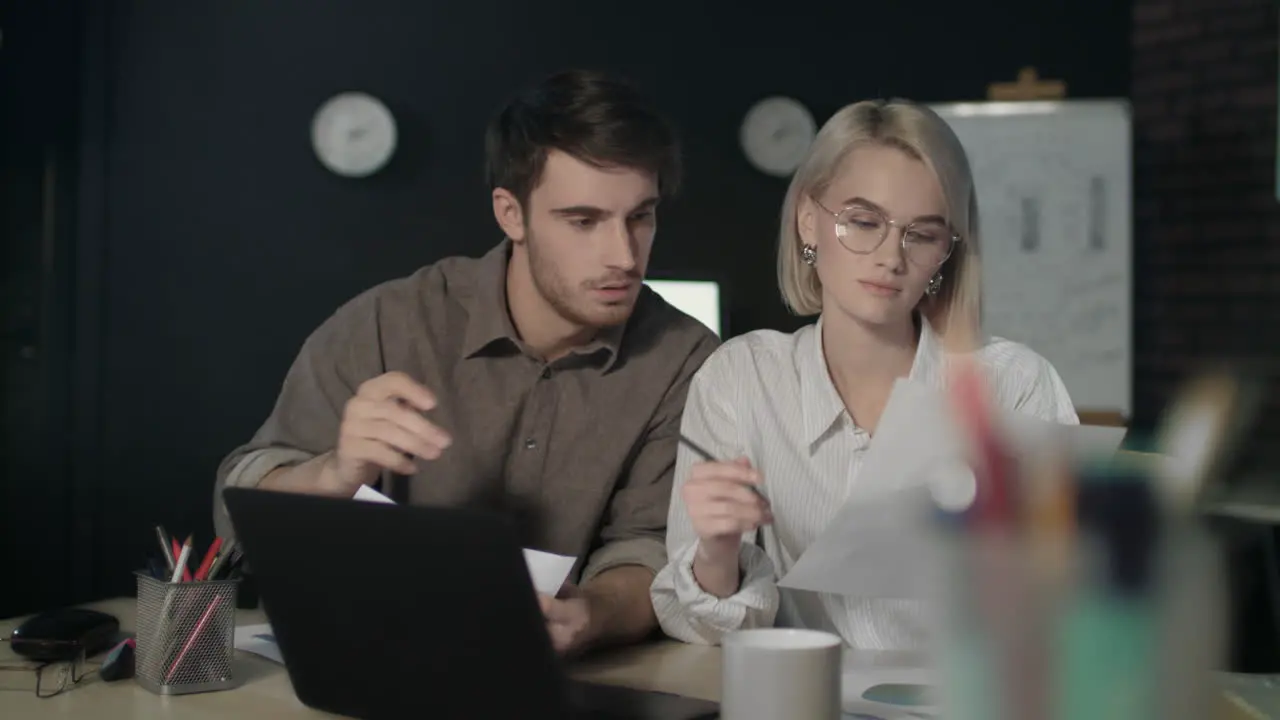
x=879 y=239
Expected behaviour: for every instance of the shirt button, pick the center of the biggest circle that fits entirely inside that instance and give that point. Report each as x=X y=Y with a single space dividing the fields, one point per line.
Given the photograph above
x=530 y=444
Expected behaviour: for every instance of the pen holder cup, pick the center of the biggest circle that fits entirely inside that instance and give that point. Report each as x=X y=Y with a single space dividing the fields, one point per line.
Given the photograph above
x=1077 y=633
x=185 y=635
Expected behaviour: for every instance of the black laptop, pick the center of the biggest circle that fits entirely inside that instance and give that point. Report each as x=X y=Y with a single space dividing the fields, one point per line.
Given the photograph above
x=386 y=610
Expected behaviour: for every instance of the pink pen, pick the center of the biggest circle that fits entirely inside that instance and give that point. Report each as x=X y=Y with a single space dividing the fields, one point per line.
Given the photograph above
x=204 y=620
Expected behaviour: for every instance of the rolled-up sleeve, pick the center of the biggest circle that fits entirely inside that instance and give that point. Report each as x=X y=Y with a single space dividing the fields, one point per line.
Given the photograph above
x=247 y=471
x=684 y=610
x=635 y=527
x=339 y=355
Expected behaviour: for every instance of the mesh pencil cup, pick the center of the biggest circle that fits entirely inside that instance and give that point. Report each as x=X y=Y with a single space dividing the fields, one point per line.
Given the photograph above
x=185 y=635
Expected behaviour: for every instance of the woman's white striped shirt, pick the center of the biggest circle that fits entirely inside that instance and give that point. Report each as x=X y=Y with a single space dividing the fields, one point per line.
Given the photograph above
x=768 y=396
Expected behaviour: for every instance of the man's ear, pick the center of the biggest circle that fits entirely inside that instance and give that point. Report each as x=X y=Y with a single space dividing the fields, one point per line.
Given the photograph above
x=509 y=214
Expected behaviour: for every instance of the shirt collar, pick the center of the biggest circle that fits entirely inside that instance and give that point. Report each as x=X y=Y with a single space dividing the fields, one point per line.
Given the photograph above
x=489 y=319
x=820 y=401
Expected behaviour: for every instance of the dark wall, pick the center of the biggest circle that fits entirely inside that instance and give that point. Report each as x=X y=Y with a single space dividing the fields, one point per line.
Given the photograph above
x=223 y=241
x=40 y=69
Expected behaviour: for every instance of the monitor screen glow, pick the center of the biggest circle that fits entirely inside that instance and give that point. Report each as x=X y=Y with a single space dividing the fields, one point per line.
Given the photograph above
x=697 y=298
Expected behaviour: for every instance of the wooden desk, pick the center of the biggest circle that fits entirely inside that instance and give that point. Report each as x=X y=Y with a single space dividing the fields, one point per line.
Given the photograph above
x=667 y=666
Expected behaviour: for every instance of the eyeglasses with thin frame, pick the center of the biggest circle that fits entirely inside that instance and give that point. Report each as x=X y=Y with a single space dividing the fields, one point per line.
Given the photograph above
x=54 y=678
x=862 y=229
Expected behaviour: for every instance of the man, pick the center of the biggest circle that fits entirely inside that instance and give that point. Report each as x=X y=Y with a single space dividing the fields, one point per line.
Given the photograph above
x=543 y=377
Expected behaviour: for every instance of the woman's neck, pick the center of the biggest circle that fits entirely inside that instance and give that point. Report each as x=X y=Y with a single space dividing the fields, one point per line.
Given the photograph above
x=865 y=360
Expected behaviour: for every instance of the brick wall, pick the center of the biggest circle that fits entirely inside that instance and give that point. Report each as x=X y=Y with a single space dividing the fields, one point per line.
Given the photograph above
x=1207 y=238
x=1207 y=222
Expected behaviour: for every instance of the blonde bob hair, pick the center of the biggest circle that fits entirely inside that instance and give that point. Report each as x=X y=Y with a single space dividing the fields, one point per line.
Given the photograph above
x=922 y=134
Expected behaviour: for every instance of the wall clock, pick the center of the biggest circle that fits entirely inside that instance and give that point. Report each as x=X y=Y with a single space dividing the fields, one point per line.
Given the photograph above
x=776 y=134
x=354 y=134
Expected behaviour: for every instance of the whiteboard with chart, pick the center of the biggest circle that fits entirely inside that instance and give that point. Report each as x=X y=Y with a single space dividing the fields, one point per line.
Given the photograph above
x=1054 y=184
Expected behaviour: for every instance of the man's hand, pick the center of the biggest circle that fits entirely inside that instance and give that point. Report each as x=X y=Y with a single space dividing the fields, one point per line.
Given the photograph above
x=613 y=607
x=569 y=620
x=383 y=428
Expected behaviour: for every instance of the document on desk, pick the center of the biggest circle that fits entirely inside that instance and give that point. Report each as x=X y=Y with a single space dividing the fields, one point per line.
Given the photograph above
x=879 y=544
x=259 y=640
x=548 y=570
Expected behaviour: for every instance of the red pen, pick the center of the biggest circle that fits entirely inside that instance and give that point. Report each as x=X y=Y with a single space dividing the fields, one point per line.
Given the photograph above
x=970 y=393
x=1000 y=584
x=202 y=572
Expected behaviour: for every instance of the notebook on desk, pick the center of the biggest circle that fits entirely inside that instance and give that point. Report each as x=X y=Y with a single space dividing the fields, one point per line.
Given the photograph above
x=392 y=610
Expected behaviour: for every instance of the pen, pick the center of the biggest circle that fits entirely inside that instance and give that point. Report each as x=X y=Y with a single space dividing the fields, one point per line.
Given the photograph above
x=166 y=547
x=698 y=450
x=177 y=550
x=233 y=563
x=226 y=551
x=1109 y=627
x=191 y=639
x=970 y=394
x=202 y=573
x=1199 y=435
x=1051 y=517
x=1000 y=586
x=180 y=565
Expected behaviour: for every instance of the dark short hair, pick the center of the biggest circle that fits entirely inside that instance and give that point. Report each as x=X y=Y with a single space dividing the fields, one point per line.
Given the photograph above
x=593 y=116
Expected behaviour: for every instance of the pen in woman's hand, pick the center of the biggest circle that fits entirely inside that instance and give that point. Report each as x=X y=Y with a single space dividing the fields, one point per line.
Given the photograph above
x=701 y=452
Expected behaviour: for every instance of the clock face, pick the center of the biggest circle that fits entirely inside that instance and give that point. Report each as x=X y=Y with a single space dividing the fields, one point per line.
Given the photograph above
x=776 y=134
x=353 y=134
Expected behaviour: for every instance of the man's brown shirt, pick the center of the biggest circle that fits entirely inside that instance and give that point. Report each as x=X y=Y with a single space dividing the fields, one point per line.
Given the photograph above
x=580 y=451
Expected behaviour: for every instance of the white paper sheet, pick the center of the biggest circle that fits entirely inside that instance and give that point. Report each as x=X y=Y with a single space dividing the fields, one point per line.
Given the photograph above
x=876 y=548
x=548 y=570
x=878 y=544
x=257 y=639
x=368 y=494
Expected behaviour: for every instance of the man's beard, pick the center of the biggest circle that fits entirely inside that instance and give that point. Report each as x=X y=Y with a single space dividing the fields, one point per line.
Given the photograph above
x=553 y=288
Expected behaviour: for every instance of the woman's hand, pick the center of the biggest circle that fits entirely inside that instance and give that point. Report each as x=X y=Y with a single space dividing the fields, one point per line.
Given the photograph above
x=724 y=501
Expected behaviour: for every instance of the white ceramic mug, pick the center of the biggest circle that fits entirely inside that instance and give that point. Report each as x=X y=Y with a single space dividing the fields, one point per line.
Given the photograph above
x=781 y=674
